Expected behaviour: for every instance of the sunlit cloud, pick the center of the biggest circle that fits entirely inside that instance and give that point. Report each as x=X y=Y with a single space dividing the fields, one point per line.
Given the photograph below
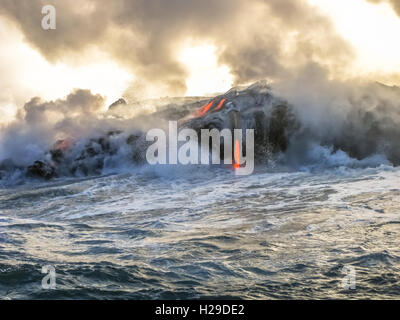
x=205 y=75
x=371 y=28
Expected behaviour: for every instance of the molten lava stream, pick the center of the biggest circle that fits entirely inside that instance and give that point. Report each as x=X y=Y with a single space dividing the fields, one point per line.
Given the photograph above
x=237 y=155
x=220 y=104
x=207 y=107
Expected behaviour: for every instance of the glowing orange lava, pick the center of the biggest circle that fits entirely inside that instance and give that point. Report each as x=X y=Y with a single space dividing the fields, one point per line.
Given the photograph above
x=207 y=107
x=237 y=155
x=221 y=104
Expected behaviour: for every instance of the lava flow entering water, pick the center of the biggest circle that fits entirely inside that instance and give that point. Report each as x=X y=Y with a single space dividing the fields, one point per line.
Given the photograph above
x=237 y=155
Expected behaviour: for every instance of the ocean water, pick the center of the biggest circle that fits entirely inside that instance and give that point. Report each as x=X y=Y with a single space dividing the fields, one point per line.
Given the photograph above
x=201 y=232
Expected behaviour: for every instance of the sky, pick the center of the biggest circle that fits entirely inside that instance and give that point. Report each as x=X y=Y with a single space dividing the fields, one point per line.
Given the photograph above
x=155 y=48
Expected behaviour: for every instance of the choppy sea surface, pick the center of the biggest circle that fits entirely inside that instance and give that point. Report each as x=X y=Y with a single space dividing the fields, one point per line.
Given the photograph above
x=198 y=232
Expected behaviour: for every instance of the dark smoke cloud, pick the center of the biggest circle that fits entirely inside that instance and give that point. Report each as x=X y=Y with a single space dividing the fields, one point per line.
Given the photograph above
x=257 y=38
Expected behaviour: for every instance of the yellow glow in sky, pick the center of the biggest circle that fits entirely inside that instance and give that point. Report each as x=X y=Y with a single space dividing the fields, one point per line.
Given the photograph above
x=372 y=29
x=27 y=74
x=205 y=75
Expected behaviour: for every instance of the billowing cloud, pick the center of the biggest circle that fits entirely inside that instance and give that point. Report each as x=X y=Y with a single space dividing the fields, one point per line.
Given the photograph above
x=394 y=3
x=39 y=123
x=256 y=39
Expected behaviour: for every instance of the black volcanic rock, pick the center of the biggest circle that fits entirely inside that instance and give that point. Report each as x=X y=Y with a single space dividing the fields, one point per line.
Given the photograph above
x=117 y=103
x=41 y=169
x=281 y=122
x=272 y=119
